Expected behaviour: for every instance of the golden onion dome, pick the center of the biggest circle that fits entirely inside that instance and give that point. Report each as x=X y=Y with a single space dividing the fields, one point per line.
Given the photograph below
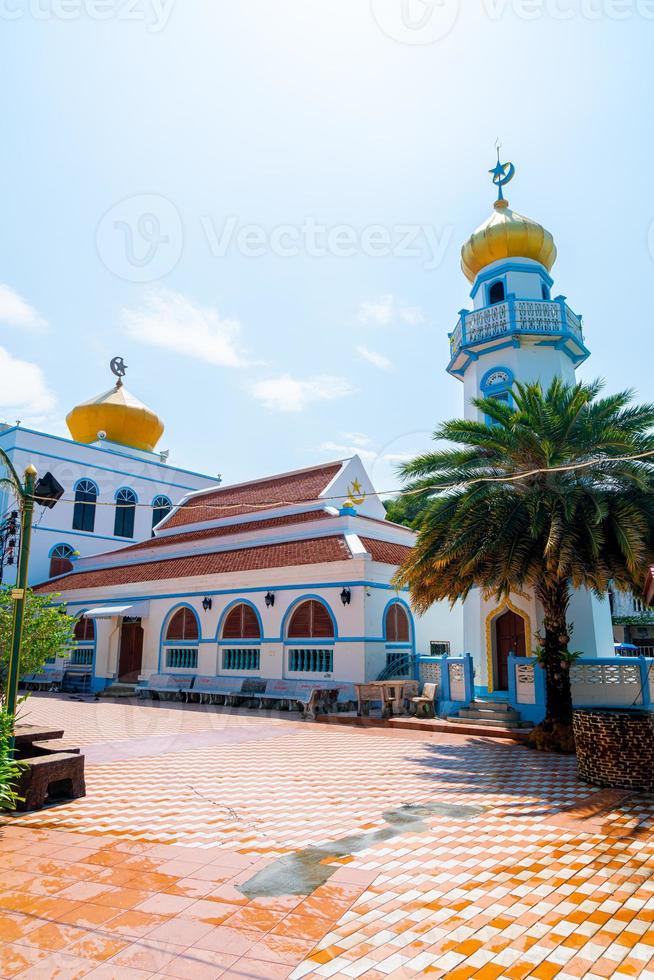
x=505 y=235
x=117 y=416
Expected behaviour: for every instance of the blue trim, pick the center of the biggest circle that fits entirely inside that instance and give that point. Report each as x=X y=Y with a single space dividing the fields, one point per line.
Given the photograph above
x=536 y=269
x=225 y=613
x=108 y=469
x=161 y=496
x=407 y=609
x=240 y=591
x=84 y=534
x=164 y=627
x=62 y=544
x=305 y=598
x=85 y=643
x=155 y=461
x=127 y=490
x=501 y=386
x=86 y=479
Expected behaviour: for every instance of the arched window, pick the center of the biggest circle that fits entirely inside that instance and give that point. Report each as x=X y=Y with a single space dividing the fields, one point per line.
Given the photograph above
x=181 y=640
x=84 y=630
x=183 y=626
x=161 y=507
x=311 y=620
x=83 y=650
x=86 y=494
x=125 y=513
x=496 y=293
x=60 y=559
x=397 y=624
x=241 y=624
x=241 y=627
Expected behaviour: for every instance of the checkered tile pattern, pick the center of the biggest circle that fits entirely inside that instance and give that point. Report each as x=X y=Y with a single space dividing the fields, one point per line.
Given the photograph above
x=552 y=879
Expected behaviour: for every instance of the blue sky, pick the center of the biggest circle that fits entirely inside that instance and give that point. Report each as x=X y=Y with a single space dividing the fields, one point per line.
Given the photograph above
x=260 y=206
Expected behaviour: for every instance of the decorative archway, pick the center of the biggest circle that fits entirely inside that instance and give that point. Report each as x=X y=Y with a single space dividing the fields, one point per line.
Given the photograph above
x=493 y=666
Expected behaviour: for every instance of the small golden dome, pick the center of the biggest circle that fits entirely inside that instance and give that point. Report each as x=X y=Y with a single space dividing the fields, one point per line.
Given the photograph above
x=507 y=234
x=119 y=417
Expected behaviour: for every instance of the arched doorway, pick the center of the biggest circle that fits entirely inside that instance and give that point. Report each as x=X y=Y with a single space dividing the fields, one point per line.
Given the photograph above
x=509 y=638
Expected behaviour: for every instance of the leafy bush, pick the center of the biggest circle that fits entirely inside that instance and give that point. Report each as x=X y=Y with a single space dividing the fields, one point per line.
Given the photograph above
x=10 y=769
x=47 y=632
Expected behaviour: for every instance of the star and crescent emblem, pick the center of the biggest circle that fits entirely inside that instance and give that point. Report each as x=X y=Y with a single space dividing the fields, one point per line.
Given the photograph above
x=356 y=492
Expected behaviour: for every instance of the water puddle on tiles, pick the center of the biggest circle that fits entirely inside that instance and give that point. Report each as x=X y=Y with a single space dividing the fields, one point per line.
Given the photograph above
x=301 y=873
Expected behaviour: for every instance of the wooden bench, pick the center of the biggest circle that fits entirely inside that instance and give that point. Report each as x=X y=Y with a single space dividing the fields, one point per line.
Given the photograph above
x=51 y=777
x=170 y=685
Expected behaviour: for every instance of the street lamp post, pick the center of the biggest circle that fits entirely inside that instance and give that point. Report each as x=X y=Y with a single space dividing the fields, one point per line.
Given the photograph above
x=19 y=593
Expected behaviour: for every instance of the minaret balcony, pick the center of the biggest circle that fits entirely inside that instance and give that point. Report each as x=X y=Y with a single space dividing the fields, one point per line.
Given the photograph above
x=513 y=322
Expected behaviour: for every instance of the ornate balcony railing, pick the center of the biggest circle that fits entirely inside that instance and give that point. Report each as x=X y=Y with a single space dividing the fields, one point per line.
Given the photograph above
x=515 y=316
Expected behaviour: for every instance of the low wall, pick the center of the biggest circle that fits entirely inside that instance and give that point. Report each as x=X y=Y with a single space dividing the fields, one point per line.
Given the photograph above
x=615 y=748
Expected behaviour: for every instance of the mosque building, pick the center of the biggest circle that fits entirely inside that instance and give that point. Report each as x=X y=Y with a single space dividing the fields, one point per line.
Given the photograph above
x=291 y=576
x=116 y=486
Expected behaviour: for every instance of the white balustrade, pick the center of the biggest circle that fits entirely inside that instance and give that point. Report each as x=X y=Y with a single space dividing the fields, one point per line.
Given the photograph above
x=525 y=684
x=606 y=683
x=521 y=316
x=457 y=682
x=430 y=673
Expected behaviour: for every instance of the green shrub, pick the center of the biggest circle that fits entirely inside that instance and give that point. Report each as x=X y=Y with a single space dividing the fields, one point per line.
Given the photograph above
x=10 y=769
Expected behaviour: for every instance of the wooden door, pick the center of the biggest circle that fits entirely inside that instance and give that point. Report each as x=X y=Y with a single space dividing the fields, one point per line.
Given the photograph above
x=509 y=638
x=131 y=652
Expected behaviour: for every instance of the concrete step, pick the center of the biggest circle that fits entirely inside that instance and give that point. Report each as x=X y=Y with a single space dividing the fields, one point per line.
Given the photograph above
x=480 y=713
x=490 y=722
x=499 y=707
x=118 y=691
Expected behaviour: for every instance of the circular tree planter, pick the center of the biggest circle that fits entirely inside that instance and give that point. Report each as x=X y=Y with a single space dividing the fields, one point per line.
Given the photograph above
x=615 y=747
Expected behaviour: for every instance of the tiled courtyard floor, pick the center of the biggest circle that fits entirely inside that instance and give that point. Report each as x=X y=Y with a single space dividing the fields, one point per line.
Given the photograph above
x=459 y=857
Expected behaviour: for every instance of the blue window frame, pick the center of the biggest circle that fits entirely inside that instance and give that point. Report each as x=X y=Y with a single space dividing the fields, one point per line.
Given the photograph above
x=86 y=495
x=496 y=292
x=497 y=383
x=161 y=507
x=125 y=513
x=61 y=559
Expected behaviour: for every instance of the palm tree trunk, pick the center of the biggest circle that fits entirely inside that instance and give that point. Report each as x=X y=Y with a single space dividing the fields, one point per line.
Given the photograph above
x=555 y=599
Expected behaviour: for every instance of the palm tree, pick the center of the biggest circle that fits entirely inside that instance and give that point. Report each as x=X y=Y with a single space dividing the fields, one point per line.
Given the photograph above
x=539 y=496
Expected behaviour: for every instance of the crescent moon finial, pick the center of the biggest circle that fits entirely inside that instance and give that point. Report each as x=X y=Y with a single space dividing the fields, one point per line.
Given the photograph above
x=502 y=173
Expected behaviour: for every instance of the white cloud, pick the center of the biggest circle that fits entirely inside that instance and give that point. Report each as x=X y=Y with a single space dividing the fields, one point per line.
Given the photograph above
x=357 y=438
x=287 y=394
x=387 y=309
x=339 y=450
x=24 y=393
x=379 y=360
x=16 y=312
x=171 y=320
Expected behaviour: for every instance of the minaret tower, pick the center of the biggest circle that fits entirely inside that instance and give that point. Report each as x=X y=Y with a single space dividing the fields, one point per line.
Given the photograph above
x=516 y=331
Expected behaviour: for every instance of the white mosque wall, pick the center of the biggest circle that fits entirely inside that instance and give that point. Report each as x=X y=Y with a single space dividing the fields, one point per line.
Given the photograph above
x=522 y=277
x=110 y=467
x=360 y=647
x=592 y=631
x=528 y=362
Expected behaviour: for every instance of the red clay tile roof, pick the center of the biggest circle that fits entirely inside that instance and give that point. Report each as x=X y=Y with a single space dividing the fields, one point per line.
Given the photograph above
x=224 y=531
x=385 y=551
x=293 y=488
x=308 y=552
